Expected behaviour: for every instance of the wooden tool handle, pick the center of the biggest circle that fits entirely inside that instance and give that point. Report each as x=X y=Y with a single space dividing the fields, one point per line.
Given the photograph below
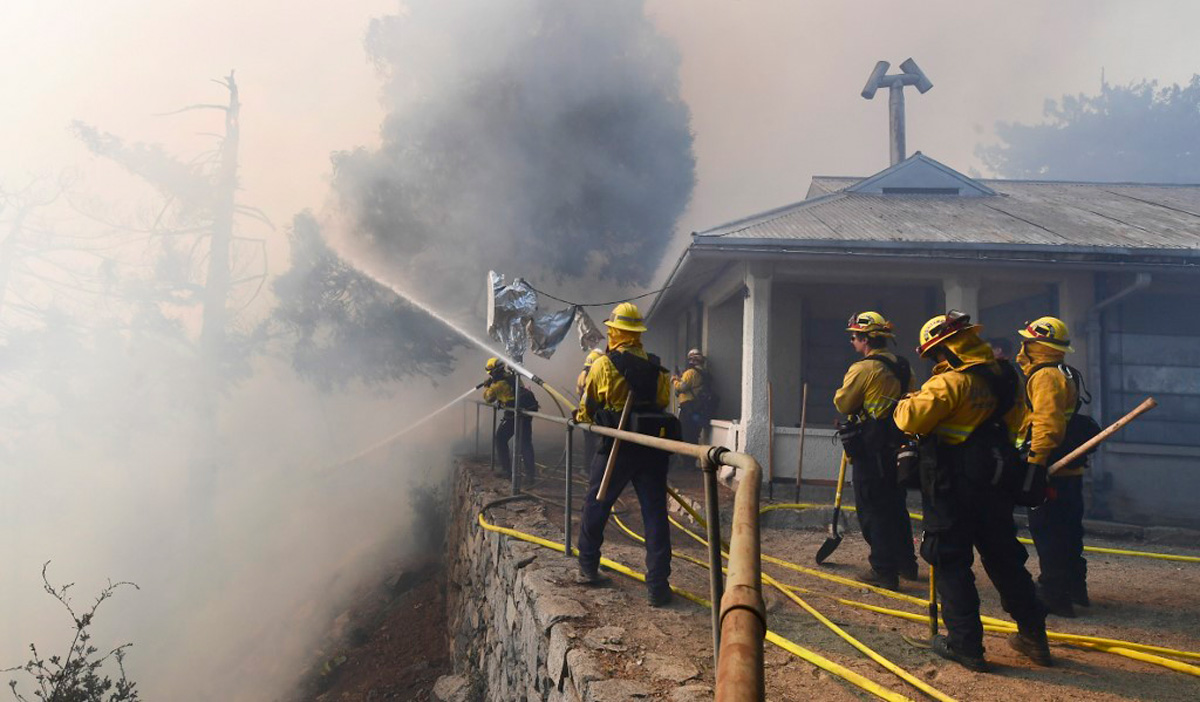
x=1148 y=404
x=612 y=455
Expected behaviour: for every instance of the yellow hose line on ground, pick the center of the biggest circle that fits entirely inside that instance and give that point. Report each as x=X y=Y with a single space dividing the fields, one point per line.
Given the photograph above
x=866 y=650
x=844 y=581
x=866 y=684
x=1127 y=649
x=918 y=516
x=845 y=673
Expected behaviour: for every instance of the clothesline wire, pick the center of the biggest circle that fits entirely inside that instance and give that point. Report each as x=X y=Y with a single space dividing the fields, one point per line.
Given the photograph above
x=598 y=304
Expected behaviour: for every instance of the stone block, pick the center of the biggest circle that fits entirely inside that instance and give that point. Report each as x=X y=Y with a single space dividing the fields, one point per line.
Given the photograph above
x=606 y=638
x=671 y=668
x=551 y=609
x=561 y=636
x=616 y=691
x=452 y=688
x=692 y=693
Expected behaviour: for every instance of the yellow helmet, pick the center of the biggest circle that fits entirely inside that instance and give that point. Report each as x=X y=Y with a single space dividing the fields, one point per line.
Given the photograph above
x=626 y=316
x=1051 y=331
x=591 y=357
x=869 y=323
x=492 y=364
x=943 y=327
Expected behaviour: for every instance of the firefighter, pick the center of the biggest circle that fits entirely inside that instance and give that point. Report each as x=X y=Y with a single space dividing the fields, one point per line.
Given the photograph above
x=867 y=397
x=1052 y=397
x=627 y=366
x=971 y=408
x=498 y=391
x=589 y=439
x=695 y=392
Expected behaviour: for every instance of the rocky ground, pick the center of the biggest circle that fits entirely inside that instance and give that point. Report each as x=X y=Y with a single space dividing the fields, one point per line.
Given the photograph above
x=393 y=644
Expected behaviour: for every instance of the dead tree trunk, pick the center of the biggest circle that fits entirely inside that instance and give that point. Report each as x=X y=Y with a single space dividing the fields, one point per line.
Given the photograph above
x=216 y=286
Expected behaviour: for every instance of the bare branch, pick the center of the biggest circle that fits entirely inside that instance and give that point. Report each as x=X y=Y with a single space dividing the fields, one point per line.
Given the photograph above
x=198 y=106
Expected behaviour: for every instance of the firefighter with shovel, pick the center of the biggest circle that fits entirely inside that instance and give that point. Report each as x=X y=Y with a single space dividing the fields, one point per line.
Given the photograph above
x=971 y=407
x=627 y=388
x=867 y=397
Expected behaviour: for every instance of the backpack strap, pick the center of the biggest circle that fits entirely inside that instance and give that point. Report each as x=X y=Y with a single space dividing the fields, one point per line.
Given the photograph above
x=1071 y=373
x=1003 y=385
x=899 y=368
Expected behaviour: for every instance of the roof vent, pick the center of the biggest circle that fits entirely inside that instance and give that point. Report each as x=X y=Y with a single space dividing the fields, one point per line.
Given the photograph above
x=912 y=75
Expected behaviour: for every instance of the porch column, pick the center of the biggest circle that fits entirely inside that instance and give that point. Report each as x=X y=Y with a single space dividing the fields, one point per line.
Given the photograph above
x=962 y=294
x=756 y=345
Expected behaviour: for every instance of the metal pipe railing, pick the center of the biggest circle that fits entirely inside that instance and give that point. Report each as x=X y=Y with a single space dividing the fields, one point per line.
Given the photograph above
x=739 y=615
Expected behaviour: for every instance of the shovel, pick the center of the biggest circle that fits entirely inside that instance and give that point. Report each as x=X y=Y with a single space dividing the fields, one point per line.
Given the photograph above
x=612 y=455
x=834 y=539
x=933 y=614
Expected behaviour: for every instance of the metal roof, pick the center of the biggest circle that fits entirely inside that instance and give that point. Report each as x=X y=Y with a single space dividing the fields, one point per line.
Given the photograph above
x=1022 y=213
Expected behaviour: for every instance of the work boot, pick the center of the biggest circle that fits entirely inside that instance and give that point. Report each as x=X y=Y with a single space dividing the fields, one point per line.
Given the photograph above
x=871 y=576
x=941 y=645
x=659 y=595
x=1079 y=596
x=589 y=575
x=1058 y=605
x=911 y=574
x=1035 y=648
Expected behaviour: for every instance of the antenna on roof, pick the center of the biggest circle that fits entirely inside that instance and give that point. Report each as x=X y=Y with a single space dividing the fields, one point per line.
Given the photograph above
x=912 y=75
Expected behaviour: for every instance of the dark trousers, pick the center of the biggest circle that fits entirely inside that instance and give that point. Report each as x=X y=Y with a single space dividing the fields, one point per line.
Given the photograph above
x=504 y=432
x=883 y=515
x=1057 y=529
x=647 y=470
x=693 y=422
x=983 y=521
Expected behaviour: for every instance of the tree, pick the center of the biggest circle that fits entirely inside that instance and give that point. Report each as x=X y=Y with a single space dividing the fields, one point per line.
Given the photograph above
x=1138 y=132
x=196 y=230
x=344 y=326
x=78 y=675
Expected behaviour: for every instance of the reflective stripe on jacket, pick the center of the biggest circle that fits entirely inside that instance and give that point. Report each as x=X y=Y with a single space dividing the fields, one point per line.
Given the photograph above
x=1052 y=397
x=869 y=386
x=951 y=404
x=605 y=388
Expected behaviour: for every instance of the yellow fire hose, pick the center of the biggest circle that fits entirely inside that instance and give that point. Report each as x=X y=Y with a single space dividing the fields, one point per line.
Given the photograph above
x=816 y=659
x=1092 y=549
x=1144 y=652
x=1132 y=650
x=767 y=579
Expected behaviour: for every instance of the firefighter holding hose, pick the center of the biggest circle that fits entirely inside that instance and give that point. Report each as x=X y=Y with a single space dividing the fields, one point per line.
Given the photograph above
x=971 y=408
x=498 y=391
x=626 y=371
x=867 y=397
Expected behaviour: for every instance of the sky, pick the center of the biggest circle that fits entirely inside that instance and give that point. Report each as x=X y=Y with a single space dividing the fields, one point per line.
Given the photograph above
x=773 y=85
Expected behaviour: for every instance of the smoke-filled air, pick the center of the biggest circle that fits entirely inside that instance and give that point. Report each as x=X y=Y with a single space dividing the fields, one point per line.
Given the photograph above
x=244 y=258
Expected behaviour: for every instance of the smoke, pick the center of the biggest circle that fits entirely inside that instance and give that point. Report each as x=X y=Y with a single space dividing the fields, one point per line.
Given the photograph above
x=537 y=136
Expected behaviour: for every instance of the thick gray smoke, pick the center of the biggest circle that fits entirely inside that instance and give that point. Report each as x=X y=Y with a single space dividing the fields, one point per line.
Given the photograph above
x=539 y=136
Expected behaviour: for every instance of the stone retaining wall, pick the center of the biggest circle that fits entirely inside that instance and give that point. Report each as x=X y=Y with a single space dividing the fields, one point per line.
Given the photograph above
x=516 y=633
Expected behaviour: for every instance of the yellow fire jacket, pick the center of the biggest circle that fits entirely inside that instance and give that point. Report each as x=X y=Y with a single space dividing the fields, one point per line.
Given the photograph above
x=1051 y=403
x=499 y=393
x=952 y=404
x=605 y=388
x=579 y=382
x=687 y=388
x=870 y=387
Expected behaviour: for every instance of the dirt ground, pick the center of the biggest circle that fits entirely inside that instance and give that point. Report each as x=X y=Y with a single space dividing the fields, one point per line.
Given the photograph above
x=393 y=638
x=1136 y=599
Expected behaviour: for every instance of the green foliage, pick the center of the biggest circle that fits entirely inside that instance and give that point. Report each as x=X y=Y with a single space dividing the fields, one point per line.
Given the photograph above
x=1137 y=133
x=78 y=676
x=344 y=326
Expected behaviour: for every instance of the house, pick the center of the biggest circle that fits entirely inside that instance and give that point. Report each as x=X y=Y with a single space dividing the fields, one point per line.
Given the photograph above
x=767 y=297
